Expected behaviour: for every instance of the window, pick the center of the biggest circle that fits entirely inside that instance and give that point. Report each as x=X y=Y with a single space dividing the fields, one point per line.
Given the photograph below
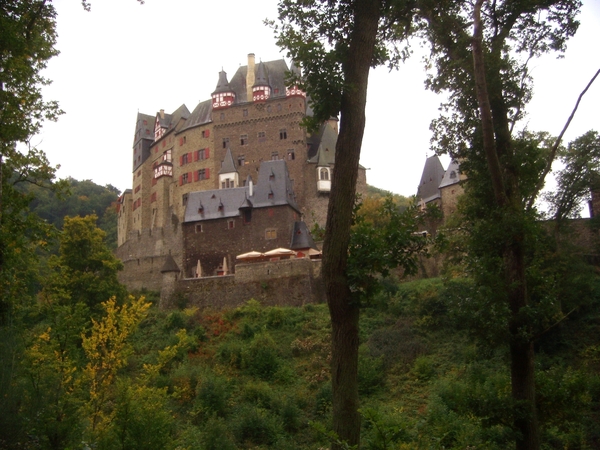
x=137 y=189
x=199 y=228
x=268 y=108
x=225 y=142
x=276 y=91
x=184 y=199
x=453 y=174
x=283 y=133
x=274 y=156
x=247 y=216
x=222 y=116
x=262 y=136
x=202 y=174
x=243 y=139
x=324 y=174
x=185 y=179
x=279 y=105
x=245 y=112
x=182 y=140
x=230 y=224
x=202 y=154
x=271 y=195
x=185 y=159
x=205 y=133
x=241 y=160
x=270 y=233
x=291 y=155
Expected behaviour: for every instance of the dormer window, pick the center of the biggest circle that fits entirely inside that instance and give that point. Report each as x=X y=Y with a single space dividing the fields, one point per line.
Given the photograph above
x=201 y=209
x=453 y=174
x=271 y=195
x=221 y=207
x=324 y=174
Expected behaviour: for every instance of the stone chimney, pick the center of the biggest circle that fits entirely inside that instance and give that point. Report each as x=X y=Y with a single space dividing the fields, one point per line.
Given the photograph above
x=162 y=113
x=250 y=79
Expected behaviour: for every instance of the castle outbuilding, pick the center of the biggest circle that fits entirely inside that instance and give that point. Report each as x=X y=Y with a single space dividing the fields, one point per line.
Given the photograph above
x=234 y=175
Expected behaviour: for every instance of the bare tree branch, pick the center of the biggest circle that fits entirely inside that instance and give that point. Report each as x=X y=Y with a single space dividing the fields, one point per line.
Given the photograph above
x=554 y=149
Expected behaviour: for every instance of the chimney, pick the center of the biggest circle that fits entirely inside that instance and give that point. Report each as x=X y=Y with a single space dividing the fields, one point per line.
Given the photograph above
x=162 y=113
x=250 y=79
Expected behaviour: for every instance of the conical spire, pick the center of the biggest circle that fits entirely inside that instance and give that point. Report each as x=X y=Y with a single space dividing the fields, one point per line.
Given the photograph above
x=228 y=166
x=223 y=83
x=261 y=77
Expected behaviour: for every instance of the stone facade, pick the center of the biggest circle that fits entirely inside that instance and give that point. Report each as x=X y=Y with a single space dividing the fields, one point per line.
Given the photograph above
x=251 y=119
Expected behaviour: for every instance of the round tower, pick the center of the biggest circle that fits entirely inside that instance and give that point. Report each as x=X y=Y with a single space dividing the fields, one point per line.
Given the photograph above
x=223 y=96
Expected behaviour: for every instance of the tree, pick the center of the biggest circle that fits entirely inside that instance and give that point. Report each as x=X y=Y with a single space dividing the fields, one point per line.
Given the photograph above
x=85 y=269
x=486 y=75
x=336 y=43
x=581 y=160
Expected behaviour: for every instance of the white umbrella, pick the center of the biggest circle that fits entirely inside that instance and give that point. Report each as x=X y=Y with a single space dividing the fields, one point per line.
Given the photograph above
x=225 y=270
x=250 y=255
x=280 y=251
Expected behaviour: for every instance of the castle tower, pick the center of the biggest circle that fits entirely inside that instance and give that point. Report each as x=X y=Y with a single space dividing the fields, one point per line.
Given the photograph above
x=223 y=96
x=261 y=91
x=295 y=91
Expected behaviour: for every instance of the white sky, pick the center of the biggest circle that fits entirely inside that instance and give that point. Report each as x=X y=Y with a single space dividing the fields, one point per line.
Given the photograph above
x=123 y=57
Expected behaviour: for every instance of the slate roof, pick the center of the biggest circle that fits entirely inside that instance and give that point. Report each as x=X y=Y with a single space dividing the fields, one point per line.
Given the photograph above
x=274 y=188
x=452 y=175
x=301 y=238
x=261 y=77
x=223 y=83
x=321 y=149
x=147 y=131
x=202 y=114
x=433 y=172
x=228 y=166
x=275 y=72
x=170 y=265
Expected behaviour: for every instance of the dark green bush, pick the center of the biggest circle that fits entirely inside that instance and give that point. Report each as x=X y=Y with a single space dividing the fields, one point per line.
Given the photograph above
x=261 y=357
x=255 y=426
x=213 y=393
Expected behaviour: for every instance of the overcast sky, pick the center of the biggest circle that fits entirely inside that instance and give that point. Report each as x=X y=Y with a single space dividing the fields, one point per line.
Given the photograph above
x=123 y=57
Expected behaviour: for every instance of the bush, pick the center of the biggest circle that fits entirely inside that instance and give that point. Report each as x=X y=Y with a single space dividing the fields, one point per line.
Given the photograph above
x=261 y=357
x=255 y=426
x=213 y=394
x=216 y=435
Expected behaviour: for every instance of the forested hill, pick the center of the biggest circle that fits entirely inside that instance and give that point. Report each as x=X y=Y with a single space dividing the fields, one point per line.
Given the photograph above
x=82 y=198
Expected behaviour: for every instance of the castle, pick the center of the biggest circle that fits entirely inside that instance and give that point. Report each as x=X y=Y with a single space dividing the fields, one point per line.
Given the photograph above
x=237 y=174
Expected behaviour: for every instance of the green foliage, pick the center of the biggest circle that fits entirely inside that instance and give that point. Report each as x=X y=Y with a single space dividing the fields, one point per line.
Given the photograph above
x=261 y=357
x=255 y=426
x=85 y=269
x=213 y=393
x=382 y=240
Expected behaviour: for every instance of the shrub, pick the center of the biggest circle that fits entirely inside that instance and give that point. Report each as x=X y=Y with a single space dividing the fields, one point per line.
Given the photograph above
x=261 y=357
x=423 y=368
x=216 y=435
x=256 y=426
x=213 y=394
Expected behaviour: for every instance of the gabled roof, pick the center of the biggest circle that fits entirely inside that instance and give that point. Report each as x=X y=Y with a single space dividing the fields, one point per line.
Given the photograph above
x=301 y=238
x=202 y=114
x=433 y=172
x=452 y=175
x=274 y=188
x=228 y=166
x=171 y=120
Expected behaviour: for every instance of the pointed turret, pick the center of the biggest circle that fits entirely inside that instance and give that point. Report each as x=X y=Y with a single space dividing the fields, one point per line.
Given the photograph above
x=228 y=175
x=223 y=96
x=261 y=91
x=294 y=90
x=323 y=170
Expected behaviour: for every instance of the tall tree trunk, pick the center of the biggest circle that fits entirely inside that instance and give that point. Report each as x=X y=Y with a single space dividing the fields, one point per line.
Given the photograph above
x=343 y=309
x=496 y=139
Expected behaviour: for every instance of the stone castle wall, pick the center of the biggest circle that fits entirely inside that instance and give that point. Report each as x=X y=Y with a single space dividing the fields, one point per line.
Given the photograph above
x=292 y=282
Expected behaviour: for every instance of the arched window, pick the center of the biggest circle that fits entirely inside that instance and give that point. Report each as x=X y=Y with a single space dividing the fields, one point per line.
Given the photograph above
x=324 y=174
